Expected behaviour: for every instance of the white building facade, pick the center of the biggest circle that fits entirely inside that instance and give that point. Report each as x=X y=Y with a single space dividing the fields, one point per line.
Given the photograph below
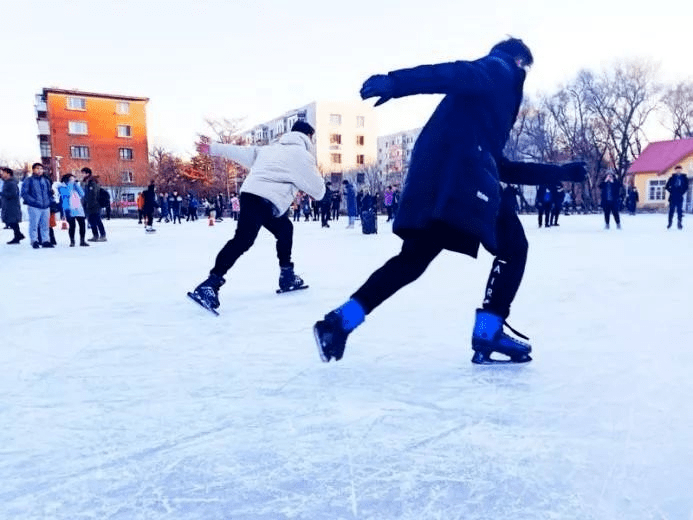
x=394 y=155
x=345 y=134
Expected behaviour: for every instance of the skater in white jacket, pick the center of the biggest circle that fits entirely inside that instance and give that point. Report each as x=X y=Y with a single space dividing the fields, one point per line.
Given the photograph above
x=277 y=173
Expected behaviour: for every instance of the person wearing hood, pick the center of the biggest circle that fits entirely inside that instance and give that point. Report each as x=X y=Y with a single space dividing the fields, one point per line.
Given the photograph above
x=452 y=198
x=277 y=173
x=71 y=195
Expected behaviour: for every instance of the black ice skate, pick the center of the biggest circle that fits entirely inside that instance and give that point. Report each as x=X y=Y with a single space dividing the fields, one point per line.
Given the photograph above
x=207 y=293
x=330 y=337
x=290 y=281
x=488 y=337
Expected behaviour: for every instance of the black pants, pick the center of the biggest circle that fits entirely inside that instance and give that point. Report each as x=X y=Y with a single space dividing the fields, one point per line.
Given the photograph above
x=545 y=211
x=325 y=214
x=149 y=217
x=676 y=206
x=611 y=208
x=417 y=253
x=71 y=228
x=15 y=227
x=96 y=225
x=256 y=212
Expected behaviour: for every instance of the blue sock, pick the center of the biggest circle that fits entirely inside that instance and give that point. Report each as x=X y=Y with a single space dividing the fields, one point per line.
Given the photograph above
x=352 y=315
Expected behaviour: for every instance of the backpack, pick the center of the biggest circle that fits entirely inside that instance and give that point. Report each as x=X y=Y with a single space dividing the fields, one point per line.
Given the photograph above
x=104 y=198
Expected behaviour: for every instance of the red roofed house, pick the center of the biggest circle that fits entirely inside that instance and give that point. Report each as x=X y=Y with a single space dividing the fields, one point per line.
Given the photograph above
x=656 y=163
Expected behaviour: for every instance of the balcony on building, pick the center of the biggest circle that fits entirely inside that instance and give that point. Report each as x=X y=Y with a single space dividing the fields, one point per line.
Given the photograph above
x=43 y=127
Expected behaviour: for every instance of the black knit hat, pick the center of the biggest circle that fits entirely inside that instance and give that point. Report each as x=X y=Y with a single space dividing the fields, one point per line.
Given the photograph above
x=303 y=127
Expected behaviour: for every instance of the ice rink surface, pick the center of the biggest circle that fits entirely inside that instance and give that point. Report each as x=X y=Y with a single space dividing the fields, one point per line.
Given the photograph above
x=121 y=399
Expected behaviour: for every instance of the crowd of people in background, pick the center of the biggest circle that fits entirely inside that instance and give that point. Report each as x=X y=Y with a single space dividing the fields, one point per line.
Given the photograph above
x=84 y=204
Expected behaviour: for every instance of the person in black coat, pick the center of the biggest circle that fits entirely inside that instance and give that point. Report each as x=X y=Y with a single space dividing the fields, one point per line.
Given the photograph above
x=149 y=207
x=10 y=208
x=452 y=197
x=325 y=205
x=677 y=186
x=611 y=199
x=557 y=198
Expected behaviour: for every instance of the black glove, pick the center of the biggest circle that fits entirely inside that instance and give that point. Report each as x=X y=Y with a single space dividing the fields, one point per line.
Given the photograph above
x=574 y=171
x=379 y=85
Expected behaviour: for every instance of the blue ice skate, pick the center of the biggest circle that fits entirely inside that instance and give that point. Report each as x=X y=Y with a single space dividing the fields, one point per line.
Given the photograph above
x=488 y=337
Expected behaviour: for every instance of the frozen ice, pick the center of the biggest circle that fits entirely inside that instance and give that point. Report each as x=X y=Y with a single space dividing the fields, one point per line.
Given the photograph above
x=121 y=399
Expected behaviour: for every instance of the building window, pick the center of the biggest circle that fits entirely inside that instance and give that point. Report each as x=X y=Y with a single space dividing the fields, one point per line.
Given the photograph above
x=122 y=107
x=655 y=189
x=127 y=178
x=360 y=159
x=335 y=138
x=77 y=128
x=76 y=103
x=124 y=131
x=79 y=152
x=125 y=154
x=335 y=119
x=360 y=121
x=336 y=158
x=360 y=140
x=45 y=149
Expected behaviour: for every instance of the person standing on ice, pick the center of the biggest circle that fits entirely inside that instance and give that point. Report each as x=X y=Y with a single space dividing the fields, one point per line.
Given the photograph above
x=452 y=197
x=277 y=173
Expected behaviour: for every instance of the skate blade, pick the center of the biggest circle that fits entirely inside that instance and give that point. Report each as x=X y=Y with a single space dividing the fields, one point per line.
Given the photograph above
x=201 y=304
x=481 y=358
x=319 y=344
x=281 y=291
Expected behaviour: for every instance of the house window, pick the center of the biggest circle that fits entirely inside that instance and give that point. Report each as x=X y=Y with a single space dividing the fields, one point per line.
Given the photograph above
x=79 y=152
x=124 y=131
x=76 y=103
x=335 y=119
x=77 y=128
x=125 y=154
x=45 y=149
x=335 y=138
x=360 y=159
x=337 y=158
x=122 y=107
x=360 y=121
x=360 y=140
x=127 y=178
x=655 y=189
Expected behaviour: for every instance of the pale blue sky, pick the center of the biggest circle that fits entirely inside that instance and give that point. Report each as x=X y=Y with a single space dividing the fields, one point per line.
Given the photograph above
x=257 y=59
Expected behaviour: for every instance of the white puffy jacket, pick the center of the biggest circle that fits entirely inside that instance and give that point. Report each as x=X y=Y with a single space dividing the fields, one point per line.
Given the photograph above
x=277 y=171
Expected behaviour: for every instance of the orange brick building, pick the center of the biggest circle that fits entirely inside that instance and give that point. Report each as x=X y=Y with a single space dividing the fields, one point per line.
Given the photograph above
x=107 y=133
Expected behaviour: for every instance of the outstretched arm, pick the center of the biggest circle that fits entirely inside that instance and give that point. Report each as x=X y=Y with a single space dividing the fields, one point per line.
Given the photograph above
x=457 y=77
x=538 y=173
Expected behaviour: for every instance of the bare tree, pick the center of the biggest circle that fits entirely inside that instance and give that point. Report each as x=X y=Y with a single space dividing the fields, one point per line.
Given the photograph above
x=622 y=98
x=226 y=175
x=678 y=102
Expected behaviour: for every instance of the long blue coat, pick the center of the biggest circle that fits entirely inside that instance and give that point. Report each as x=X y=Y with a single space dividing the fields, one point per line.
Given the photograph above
x=350 y=195
x=457 y=162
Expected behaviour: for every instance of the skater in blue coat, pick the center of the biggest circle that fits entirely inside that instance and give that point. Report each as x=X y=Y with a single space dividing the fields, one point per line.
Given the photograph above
x=452 y=198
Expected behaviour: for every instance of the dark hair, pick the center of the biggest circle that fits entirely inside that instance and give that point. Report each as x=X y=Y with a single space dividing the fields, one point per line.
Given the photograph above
x=7 y=170
x=678 y=167
x=303 y=127
x=86 y=170
x=66 y=177
x=515 y=48
x=36 y=164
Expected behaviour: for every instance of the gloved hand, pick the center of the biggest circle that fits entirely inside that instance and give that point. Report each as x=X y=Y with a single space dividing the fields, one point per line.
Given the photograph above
x=574 y=171
x=379 y=85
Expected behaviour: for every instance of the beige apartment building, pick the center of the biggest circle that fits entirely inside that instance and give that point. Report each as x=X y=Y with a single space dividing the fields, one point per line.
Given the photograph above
x=394 y=155
x=345 y=135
